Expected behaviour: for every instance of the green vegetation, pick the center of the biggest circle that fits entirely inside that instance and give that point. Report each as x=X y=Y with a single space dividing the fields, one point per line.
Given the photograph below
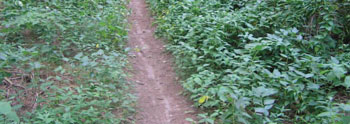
x=62 y=61
x=261 y=61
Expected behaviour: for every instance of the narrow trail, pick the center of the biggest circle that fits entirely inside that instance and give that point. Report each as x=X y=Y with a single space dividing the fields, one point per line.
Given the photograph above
x=159 y=98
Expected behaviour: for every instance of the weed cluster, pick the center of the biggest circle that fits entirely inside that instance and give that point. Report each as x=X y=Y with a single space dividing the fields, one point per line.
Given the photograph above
x=62 y=61
x=261 y=61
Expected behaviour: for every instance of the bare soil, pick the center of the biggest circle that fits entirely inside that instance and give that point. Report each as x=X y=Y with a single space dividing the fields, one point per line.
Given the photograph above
x=159 y=95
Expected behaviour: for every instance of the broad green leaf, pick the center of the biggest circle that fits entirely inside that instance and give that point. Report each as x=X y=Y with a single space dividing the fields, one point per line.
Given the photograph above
x=295 y=30
x=284 y=83
x=326 y=114
x=189 y=119
x=268 y=107
x=36 y=65
x=262 y=111
x=335 y=60
x=242 y=102
x=197 y=80
x=347 y=82
x=263 y=92
x=299 y=73
x=276 y=73
x=269 y=101
x=223 y=91
x=313 y=86
x=338 y=71
x=6 y=110
x=308 y=75
x=85 y=61
x=254 y=46
x=267 y=72
x=345 y=107
x=243 y=120
x=3 y=56
x=324 y=71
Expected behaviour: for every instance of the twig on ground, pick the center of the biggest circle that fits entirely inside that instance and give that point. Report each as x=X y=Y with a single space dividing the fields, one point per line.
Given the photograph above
x=35 y=102
x=12 y=84
x=15 y=78
x=7 y=93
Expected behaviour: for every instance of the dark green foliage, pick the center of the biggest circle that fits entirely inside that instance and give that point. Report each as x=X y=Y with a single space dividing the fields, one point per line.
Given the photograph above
x=273 y=61
x=73 y=51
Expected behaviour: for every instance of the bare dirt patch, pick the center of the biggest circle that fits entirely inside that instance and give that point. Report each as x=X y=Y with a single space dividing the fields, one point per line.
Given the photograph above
x=159 y=98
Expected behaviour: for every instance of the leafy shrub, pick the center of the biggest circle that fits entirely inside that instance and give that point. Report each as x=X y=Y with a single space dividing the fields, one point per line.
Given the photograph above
x=69 y=56
x=254 y=61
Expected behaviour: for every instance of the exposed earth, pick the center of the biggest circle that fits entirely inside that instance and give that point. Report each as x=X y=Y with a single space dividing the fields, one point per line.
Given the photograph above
x=158 y=91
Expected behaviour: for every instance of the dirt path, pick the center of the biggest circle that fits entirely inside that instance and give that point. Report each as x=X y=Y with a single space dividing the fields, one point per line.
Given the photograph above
x=159 y=99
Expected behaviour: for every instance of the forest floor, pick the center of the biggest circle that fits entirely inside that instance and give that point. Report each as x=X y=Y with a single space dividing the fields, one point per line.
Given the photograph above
x=157 y=88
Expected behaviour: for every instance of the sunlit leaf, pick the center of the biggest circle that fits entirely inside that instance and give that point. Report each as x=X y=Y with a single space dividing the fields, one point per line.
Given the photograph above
x=203 y=99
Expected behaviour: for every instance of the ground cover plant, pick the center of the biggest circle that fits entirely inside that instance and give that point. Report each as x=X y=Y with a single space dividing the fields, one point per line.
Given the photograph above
x=62 y=61
x=257 y=61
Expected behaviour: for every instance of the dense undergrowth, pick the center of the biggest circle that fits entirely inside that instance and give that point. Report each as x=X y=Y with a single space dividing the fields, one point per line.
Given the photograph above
x=62 y=61
x=257 y=61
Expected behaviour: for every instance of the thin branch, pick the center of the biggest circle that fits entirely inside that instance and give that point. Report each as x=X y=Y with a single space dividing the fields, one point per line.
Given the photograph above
x=35 y=102
x=12 y=84
x=7 y=93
